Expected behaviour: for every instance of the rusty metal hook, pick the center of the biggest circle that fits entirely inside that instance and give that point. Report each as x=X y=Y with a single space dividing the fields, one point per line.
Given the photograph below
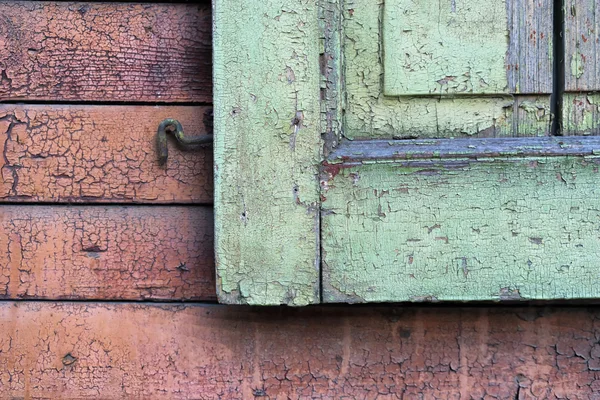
x=174 y=127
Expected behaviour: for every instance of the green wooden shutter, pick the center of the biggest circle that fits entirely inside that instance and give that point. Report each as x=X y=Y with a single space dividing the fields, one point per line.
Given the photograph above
x=404 y=151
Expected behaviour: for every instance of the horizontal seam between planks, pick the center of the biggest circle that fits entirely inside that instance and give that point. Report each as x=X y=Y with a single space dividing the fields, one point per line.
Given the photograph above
x=104 y=204
x=108 y=103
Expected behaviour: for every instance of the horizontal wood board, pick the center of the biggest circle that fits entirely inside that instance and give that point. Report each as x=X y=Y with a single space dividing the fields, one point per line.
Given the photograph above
x=101 y=154
x=267 y=151
x=102 y=51
x=582 y=56
x=115 y=351
x=106 y=253
x=461 y=229
x=371 y=115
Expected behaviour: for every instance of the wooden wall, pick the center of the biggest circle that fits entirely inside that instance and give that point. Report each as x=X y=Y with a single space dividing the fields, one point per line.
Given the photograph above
x=106 y=264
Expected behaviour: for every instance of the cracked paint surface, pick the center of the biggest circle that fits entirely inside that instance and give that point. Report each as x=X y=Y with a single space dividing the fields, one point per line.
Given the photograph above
x=267 y=151
x=100 y=154
x=105 y=51
x=495 y=229
x=106 y=253
x=119 y=351
x=370 y=114
x=435 y=47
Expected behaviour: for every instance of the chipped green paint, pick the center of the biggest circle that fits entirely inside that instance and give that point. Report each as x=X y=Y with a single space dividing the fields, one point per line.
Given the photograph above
x=371 y=114
x=267 y=150
x=497 y=229
x=577 y=65
x=581 y=114
x=434 y=47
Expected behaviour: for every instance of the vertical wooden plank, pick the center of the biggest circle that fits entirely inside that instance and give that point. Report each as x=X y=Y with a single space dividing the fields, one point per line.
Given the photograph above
x=582 y=59
x=529 y=61
x=267 y=151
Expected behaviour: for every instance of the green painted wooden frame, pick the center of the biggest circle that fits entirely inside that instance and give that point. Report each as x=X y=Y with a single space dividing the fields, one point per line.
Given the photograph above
x=303 y=214
x=267 y=151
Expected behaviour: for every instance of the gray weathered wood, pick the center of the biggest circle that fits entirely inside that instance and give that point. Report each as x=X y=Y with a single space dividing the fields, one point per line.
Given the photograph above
x=582 y=49
x=529 y=61
x=267 y=122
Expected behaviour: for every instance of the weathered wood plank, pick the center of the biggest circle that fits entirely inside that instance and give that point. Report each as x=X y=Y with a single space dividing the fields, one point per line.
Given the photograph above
x=582 y=50
x=106 y=253
x=98 y=51
x=580 y=114
x=462 y=229
x=101 y=154
x=267 y=151
x=467 y=47
x=115 y=351
x=530 y=58
x=357 y=152
x=370 y=114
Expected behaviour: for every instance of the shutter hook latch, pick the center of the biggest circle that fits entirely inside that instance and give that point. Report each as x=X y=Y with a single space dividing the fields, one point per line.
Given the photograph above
x=174 y=127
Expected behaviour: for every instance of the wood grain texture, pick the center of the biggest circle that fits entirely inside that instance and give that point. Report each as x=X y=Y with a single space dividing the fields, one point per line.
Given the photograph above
x=369 y=114
x=530 y=56
x=267 y=151
x=106 y=253
x=582 y=55
x=372 y=151
x=127 y=351
x=463 y=229
x=98 y=51
x=467 y=47
x=64 y=153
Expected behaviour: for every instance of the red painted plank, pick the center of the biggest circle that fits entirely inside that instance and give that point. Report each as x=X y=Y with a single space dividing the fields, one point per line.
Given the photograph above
x=114 y=351
x=101 y=154
x=106 y=253
x=101 y=51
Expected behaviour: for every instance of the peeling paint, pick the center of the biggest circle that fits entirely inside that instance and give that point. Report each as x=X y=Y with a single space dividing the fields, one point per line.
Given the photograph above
x=432 y=48
x=461 y=230
x=267 y=157
x=371 y=115
x=577 y=65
